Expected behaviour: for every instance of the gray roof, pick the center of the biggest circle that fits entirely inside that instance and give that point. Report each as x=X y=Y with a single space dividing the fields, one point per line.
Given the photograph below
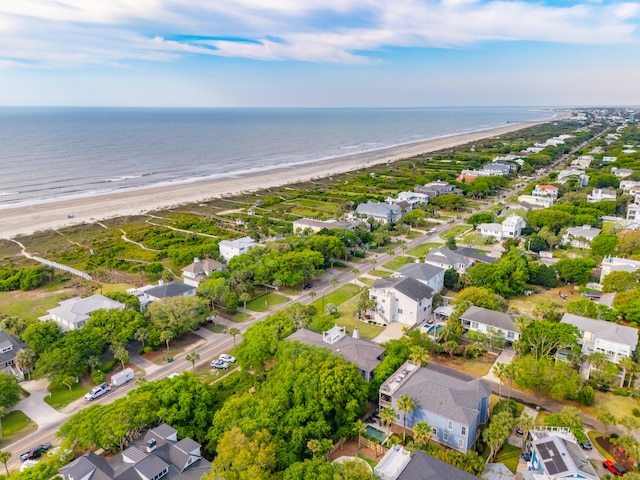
x=365 y=354
x=605 y=330
x=451 y=394
x=7 y=340
x=489 y=317
x=377 y=209
x=589 y=233
x=469 y=252
x=408 y=286
x=204 y=266
x=445 y=256
x=163 y=431
x=88 y=464
x=563 y=458
x=497 y=471
x=420 y=271
x=77 y=310
x=423 y=466
x=171 y=289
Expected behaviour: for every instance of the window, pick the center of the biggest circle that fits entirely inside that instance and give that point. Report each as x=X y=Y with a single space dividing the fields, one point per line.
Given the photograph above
x=399 y=310
x=382 y=300
x=511 y=335
x=445 y=436
x=434 y=432
x=474 y=324
x=463 y=430
x=450 y=425
x=460 y=443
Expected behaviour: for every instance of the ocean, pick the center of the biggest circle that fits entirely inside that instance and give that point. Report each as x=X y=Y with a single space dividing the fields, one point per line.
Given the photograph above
x=49 y=154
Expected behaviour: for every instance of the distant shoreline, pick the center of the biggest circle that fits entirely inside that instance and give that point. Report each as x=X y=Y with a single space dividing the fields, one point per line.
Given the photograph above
x=26 y=220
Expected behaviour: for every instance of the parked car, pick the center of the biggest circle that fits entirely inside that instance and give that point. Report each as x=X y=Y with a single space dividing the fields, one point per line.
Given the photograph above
x=225 y=357
x=587 y=445
x=219 y=364
x=308 y=286
x=35 y=452
x=97 y=392
x=519 y=431
x=614 y=468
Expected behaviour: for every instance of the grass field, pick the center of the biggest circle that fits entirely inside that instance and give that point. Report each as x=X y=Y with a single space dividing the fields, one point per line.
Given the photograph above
x=509 y=455
x=32 y=304
x=380 y=273
x=61 y=397
x=327 y=206
x=525 y=305
x=398 y=262
x=240 y=317
x=16 y=423
x=347 y=319
x=423 y=249
x=265 y=302
x=455 y=231
x=337 y=296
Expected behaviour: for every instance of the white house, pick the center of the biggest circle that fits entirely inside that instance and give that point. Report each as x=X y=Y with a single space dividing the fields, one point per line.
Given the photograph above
x=381 y=212
x=75 y=312
x=567 y=174
x=615 y=340
x=536 y=201
x=580 y=237
x=430 y=275
x=630 y=187
x=166 y=290
x=487 y=321
x=601 y=194
x=490 y=230
x=403 y=299
x=616 y=264
x=609 y=159
x=633 y=212
x=435 y=189
x=233 y=248
x=583 y=161
x=199 y=270
x=446 y=259
x=622 y=172
x=303 y=225
x=512 y=226
x=413 y=199
x=545 y=191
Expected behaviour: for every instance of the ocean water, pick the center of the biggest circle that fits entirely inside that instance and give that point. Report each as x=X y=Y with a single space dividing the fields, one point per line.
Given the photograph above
x=49 y=154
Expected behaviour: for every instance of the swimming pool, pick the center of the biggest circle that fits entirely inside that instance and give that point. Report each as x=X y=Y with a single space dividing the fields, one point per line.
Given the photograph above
x=375 y=433
x=433 y=330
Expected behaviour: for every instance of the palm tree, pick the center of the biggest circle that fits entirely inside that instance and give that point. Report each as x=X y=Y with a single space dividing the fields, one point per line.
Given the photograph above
x=500 y=371
x=605 y=417
x=629 y=423
x=419 y=355
x=234 y=332
x=312 y=295
x=4 y=458
x=422 y=432
x=628 y=366
x=142 y=334
x=120 y=353
x=192 y=357
x=333 y=281
x=355 y=272
x=166 y=336
x=405 y=404
x=526 y=423
x=360 y=428
x=598 y=360
x=510 y=374
x=25 y=359
x=388 y=416
x=244 y=298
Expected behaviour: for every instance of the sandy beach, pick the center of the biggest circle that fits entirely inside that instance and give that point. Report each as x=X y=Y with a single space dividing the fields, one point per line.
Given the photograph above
x=27 y=220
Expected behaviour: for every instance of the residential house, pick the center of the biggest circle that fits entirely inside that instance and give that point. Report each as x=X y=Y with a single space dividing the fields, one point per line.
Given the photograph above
x=601 y=194
x=159 y=454
x=609 y=159
x=364 y=354
x=616 y=264
x=545 y=191
x=572 y=173
x=303 y=225
x=490 y=172
x=622 y=172
x=455 y=404
x=435 y=189
x=382 y=212
x=411 y=199
x=615 y=340
x=400 y=464
x=490 y=230
x=474 y=256
x=554 y=454
x=497 y=471
x=403 y=299
x=498 y=168
x=75 y=312
x=199 y=270
x=10 y=347
x=583 y=161
x=630 y=187
x=430 y=275
x=233 y=248
x=633 y=212
x=446 y=259
x=512 y=226
x=580 y=237
x=490 y=322
x=167 y=290
x=533 y=201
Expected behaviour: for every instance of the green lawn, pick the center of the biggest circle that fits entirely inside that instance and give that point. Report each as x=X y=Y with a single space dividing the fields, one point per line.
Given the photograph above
x=240 y=317
x=328 y=206
x=32 y=304
x=265 y=302
x=371 y=463
x=61 y=397
x=337 y=296
x=455 y=231
x=379 y=273
x=17 y=422
x=593 y=434
x=347 y=319
x=367 y=281
x=509 y=455
x=423 y=249
x=622 y=406
x=398 y=262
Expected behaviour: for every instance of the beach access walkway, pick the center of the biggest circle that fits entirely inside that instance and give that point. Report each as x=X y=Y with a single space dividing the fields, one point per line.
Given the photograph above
x=51 y=263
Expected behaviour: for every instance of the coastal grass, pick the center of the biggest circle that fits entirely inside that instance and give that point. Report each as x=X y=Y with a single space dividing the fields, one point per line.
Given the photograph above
x=16 y=422
x=31 y=304
x=398 y=262
x=348 y=320
x=509 y=455
x=265 y=302
x=61 y=397
x=327 y=206
x=422 y=250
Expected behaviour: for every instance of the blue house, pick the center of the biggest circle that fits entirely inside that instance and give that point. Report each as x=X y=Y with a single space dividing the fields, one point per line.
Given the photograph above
x=453 y=403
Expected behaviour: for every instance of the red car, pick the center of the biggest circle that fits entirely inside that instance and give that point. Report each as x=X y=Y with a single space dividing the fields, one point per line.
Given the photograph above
x=614 y=468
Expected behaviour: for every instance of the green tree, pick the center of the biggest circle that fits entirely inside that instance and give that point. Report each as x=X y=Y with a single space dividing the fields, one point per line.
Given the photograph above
x=575 y=270
x=25 y=360
x=628 y=366
x=422 y=432
x=166 y=336
x=526 y=423
x=41 y=336
x=234 y=332
x=500 y=372
x=543 y=339
x=419 y=355
x=242 y=457
x=388 y=416
x=120 y=353
x=451 y=279
x=498 y=431
x=605 y=417
x=244 y=298
x=480 y=297
x=192 y=357
x=319 y=446
x=142 y=335
x=405 y=404
x=355 y=271
x=620 y=282
x=604 y=245
x=4 y=458
x=583 y=307
x=478 y=218
x=451 y=243
x=9 y=390
x=359 y=428
x=333 y=281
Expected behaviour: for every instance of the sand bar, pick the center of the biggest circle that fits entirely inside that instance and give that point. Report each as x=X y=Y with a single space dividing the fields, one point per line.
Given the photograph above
x=24 y=220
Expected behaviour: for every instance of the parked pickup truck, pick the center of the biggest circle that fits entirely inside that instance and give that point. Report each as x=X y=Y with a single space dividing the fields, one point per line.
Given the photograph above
x=97 y=392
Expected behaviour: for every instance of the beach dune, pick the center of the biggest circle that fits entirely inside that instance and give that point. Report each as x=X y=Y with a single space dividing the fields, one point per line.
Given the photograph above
x=24 y=220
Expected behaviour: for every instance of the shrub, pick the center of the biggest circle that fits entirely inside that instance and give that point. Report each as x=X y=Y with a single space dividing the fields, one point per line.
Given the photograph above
x=474 y=352
x=586 y=396
x=108 y=365
x=620 y=392
x=635 y=412
x=98 y=377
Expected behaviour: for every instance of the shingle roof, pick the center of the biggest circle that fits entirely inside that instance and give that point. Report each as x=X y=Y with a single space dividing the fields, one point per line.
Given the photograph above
x=77 y=310
x=489 y=317
x=171 y=289
x=163 y=431
x=89 y=465
x=605 y=330
x=205 y=266
x=423 y=466
x=7 y=340
x=377 y=209
x=588 y=233
x=450 y=394
x=469 y=252
x=420 y=271
x=408 y=286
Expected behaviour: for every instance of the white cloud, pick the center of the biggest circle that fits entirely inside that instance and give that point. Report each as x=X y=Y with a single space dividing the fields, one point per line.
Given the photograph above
x=80 y=32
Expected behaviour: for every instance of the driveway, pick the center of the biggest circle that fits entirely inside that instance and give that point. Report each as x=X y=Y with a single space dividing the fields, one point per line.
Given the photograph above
x=36 y=408
x=393 y=331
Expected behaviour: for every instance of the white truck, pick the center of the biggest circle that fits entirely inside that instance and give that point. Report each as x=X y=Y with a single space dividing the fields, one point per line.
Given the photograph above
x=97 y=392
x=122 y=377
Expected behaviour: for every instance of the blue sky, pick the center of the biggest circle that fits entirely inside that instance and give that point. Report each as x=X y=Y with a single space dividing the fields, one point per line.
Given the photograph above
x=290 y=53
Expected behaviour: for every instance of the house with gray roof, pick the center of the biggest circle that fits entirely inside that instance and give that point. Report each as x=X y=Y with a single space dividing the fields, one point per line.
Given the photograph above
x=617 y=264
x=159 y=454
x=455 y=404
x=580 y=237
x=364 y=354
x=400 y=464
x=10 y=347
x=430 y=275
x=75 y=312
x=615 y=340
x=490 y=322
x=167 y=290
x=199 y=270
x=474 y=256
x=233 y=248
x=402 y=299
x=437 y=188
x=446 y=259
x=382 y=212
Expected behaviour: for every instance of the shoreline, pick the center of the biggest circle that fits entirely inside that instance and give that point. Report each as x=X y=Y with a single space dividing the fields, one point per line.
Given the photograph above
x=26 y=220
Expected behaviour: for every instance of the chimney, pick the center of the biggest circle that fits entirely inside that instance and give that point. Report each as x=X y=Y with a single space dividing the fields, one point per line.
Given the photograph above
x=356 y=334
x=160 y=283
x=151 y=445
x=196 y=260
